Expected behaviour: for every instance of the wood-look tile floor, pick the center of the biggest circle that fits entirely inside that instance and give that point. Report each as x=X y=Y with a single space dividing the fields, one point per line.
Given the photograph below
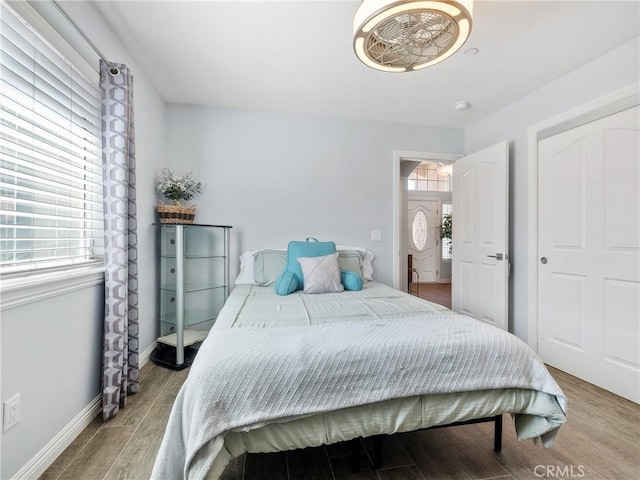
x=601 y=441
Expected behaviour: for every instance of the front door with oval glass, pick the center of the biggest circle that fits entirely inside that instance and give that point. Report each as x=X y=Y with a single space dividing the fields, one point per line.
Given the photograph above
x=424 y=239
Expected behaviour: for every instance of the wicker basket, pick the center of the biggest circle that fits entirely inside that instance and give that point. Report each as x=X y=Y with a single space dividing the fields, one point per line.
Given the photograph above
x=175 y=213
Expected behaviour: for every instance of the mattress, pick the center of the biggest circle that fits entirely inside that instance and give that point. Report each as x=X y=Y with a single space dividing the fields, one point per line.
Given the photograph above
x=253 y=314
x=252 y=306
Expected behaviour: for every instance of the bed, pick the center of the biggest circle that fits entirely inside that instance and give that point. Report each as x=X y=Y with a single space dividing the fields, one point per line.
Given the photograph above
x=303 y=370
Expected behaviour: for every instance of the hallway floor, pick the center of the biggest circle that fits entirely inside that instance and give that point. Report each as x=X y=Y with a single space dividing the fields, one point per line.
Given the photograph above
x=439 y=293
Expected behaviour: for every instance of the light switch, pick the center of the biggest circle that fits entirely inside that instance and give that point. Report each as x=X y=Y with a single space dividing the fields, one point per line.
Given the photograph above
x=376 y=235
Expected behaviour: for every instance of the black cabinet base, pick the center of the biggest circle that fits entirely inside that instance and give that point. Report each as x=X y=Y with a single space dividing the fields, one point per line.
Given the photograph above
x=165 y=355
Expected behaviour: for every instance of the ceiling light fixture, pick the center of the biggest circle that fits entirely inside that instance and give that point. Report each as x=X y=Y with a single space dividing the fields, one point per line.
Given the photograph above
x=407 y=35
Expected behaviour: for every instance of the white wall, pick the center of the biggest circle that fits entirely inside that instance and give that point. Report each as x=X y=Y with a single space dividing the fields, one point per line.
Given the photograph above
x=280 y=177
x=51 y=350
x=606 y=74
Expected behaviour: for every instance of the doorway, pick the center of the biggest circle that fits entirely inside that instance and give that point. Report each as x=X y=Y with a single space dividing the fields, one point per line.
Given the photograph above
x=404 y=162
x=480 y=276
x=428 y=191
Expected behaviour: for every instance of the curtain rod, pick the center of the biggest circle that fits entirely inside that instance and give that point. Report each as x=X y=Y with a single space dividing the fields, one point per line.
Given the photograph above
x=112 y=68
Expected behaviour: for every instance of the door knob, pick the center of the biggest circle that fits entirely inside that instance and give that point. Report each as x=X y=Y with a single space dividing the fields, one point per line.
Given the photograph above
x=543 y=260
x=497 y=256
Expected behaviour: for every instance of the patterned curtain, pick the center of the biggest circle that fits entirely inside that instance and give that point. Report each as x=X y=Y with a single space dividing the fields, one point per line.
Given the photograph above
x=120 y=355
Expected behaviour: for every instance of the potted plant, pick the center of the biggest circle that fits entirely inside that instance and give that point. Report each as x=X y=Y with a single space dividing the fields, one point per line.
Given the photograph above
x=176 y=187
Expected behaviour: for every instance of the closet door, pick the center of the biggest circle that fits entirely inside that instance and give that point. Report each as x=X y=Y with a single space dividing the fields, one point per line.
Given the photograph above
x=589 y=244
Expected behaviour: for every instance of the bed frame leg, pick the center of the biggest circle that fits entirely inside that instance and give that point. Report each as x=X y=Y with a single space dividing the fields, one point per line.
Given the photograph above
x=497 y=434
x=355 y=455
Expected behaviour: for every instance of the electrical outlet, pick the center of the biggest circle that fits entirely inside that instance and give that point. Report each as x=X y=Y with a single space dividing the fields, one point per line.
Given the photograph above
x=11 y=412
x=376 y=235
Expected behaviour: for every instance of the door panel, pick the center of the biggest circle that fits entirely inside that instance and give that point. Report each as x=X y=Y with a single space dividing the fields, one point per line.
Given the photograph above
x=568 y=309
x=589 y=236
x=465 y=283
x=465 y=211
x=488 y=198
x=621 y=339
x=491 y=298
x=480 y=267
x=622 y=193
x=568 y=196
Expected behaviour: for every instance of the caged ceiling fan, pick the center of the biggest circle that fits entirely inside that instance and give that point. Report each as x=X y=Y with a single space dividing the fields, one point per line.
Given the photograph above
x=408 y=35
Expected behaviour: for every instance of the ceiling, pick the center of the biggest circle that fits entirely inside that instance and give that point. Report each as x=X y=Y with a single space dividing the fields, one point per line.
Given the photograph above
x=297 y=56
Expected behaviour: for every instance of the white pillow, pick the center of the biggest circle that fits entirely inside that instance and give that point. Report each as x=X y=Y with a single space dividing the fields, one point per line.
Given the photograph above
x=247 y=275
x=350 y=260
x=268 y=265
x=246 y=269
x=367 y=257
x=321 y=274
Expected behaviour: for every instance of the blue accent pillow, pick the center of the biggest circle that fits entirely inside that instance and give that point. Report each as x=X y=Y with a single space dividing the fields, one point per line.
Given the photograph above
x=350 y=280
x=286 y=283
x=309 y=248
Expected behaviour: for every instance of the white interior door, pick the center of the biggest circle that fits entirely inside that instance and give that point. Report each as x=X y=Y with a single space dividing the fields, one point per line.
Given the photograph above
x=589 y=244
x=480 y=263
x=424 y=238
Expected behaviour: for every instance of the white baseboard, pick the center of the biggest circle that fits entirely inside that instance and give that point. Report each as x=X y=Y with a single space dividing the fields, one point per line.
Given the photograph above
x=145 y=356
x=45 y=457
x=52 y=450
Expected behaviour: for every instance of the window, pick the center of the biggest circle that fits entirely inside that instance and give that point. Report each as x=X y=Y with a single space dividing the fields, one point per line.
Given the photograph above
x=446 y=242
x=420 y=231
x=50 y=156
x=431 y=177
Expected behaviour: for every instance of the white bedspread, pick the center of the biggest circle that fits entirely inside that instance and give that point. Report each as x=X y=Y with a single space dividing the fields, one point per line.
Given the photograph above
x=246 y=377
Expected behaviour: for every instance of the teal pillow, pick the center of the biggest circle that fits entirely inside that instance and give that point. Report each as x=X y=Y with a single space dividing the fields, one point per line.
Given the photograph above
x=286 y=283
x=350 y=280
x=309 y=248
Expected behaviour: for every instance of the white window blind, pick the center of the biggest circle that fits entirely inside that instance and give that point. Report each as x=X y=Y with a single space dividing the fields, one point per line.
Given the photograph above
x=50 y=155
